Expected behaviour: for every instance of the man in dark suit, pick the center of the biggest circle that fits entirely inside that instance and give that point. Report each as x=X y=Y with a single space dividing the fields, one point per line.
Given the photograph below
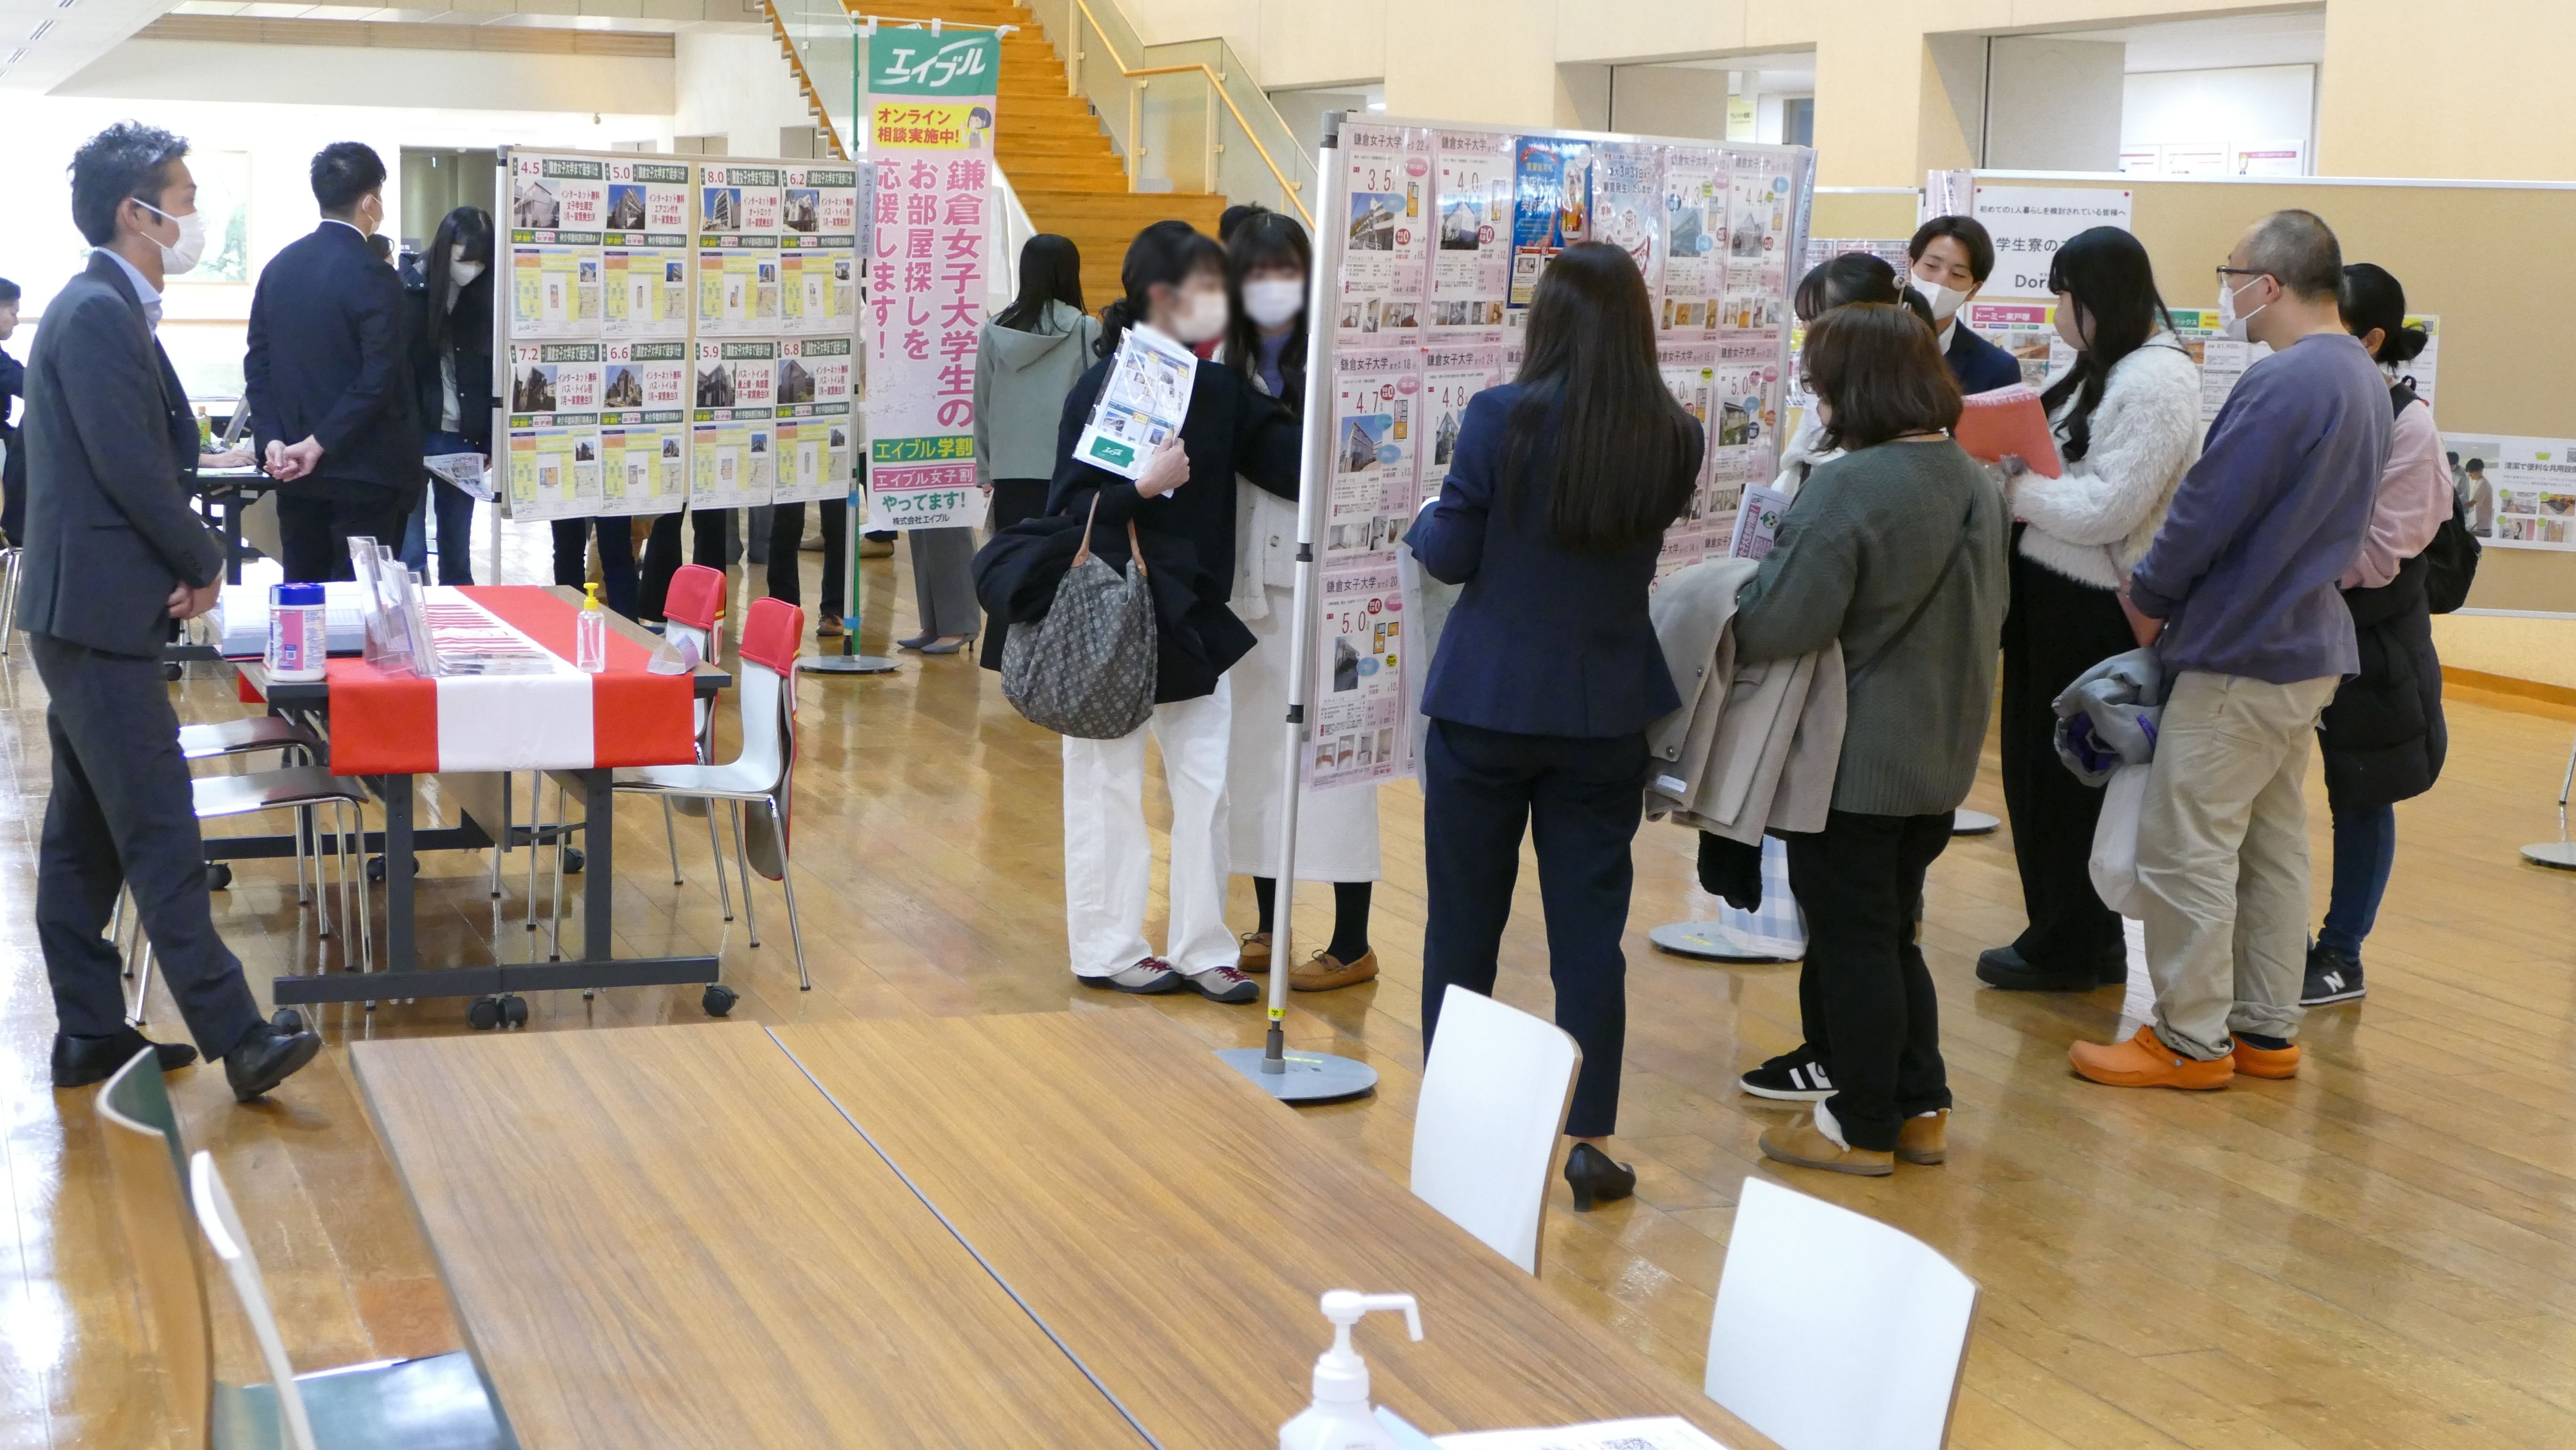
x=326 y=378
x=114 y=553
x=13 y=386
x=1953 y=256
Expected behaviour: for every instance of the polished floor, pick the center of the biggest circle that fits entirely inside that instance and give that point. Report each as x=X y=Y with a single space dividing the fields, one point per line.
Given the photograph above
x=2381 y=1253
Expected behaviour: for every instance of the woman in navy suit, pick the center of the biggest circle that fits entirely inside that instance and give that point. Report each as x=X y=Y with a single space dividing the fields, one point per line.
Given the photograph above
x=1547 y=673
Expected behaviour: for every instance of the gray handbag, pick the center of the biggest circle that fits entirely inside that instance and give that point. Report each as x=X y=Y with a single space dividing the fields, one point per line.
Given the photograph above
x=1087 y=668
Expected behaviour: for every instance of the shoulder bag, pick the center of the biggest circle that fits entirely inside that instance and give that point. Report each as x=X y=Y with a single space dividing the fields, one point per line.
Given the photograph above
x=1086 y=669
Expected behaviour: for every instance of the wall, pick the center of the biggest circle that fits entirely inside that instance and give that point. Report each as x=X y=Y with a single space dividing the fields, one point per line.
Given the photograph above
x=2251 y=103
x=1664 y=100
x=735 y=84
x=2053 y=105
x=329 y=75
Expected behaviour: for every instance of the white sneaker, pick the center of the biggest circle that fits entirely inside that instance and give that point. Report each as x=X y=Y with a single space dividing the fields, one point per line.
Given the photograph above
x=1146 y=977
x=1224 y=983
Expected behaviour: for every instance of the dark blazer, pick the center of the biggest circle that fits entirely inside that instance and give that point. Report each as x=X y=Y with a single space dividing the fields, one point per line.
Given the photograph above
x=112 y=453
x=1543 y=641
x=326 y=361
x=1979 y=365
x=1232 y=427
x=469 y=342
x=13 y=471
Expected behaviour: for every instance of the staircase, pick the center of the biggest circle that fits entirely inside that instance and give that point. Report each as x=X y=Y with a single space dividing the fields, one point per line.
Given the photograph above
x=1060 y=162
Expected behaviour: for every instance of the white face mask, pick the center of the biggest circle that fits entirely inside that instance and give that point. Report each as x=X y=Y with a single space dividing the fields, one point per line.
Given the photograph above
x=1201 y=317
x=180 y=256
x=461 y=272
x=1945 y=302
x=1273 y=301
x=2228 y=322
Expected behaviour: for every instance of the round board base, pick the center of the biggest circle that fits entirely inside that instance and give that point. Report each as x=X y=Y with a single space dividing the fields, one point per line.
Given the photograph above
x=1972 y=823
x=2560 y=854
x=1312 y=1077
x=846 y=665
x=1711 y=941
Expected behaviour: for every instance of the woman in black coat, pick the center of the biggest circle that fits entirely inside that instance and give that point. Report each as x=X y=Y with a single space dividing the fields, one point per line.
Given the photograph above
x=448 y=329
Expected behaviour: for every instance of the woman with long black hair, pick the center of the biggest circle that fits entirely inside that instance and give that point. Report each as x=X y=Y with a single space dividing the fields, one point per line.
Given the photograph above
x=1336 y=829
x=1027 y=357
x=1175 y=282
x=1547 y=673
x=2127 y=419
x=451 y=365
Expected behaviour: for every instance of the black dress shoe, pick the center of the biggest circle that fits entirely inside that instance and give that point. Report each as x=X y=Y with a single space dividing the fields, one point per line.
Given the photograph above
x=267 y=1057
x=2005 y=969
x=1595 y=1178
x=80 y=1061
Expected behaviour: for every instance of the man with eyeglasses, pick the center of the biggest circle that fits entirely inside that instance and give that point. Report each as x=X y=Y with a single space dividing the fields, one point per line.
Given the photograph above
x=2241 y=579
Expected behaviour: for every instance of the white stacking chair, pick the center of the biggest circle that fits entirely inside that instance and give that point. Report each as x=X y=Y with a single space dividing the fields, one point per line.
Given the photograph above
x=689 y=609
x=1803 y=1273
x=1485 y=1136
x=12 y=565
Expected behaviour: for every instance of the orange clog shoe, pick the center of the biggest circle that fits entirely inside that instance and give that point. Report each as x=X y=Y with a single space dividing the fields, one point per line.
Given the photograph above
x=2271 y=1062
x=2145 y=1061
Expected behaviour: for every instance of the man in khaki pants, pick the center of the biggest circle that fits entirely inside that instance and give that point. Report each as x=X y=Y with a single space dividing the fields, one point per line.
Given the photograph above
x=2255 y=639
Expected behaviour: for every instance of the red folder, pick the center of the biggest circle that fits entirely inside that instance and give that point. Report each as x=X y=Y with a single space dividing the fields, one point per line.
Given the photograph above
x=2009 y=421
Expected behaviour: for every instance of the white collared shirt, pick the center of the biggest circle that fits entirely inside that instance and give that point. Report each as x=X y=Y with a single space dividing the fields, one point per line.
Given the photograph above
x=144 y=291
x=1941 y=339
x=336 y=222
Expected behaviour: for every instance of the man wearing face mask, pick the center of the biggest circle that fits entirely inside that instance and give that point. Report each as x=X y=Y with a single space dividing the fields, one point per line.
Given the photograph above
x=114 y=554
x=328 y=386
x=1952 y=257
x=2255 y=639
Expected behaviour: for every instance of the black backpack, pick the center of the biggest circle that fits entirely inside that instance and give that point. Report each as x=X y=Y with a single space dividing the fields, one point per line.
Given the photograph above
x=2451 y=560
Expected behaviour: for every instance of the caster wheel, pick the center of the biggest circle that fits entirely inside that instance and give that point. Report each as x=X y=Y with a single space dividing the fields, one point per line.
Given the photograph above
x=484 y=1015
x=572 y=860
x=719 y=999
x=219 y=876
x=287 y=1019
x=514 y=1011
x=174 y=671
x=376 y=868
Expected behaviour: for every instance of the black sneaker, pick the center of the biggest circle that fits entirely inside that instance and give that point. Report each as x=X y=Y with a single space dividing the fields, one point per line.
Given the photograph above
x=2006 y=969
x=1792 y=1077
x=2332 y=977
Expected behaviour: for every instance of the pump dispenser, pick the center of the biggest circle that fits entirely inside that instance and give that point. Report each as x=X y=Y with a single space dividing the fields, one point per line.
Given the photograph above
x=590 y=633
x=1340 y=1419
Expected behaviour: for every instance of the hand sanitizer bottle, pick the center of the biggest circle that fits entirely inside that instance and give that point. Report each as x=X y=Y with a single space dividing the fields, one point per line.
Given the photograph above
x=1340 y=1419
x=590 y=633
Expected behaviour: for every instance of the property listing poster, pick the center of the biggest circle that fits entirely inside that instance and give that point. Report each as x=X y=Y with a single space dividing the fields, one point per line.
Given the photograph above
x=818 y=252
x=732 y=423
x=2520 y=492
x=815 y=455
x=1387 y=170
x=1747 y=403
x=1690 y=373
x=930 y=128
x=1551 y=210
x=1376 y=406
x=1451 y=376
x=2027 y=330
x=556 y=206
x=1628 y=203
x=1471 y=257
x=737 y=243
x=643 y=427
x=553 y=428
x=1819 y=251
x=1753 y=313
x=2029 y=224
x=1362 y=730
x=1693 y=203
x=644 y=251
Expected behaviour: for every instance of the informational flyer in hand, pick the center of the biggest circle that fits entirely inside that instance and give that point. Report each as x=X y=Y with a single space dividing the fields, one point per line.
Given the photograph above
x=1471 y=258
x=1376 y=404
x=738 y=291
x=1451 y=376
x=2029 y=224
x=1361 y=731
x=1387 y=170
x=815 y=455
x=2520 y=492
x=644 y=251
x=1142 y=402
x=643 y=428
x=1694 y=220
x=553 y=428
x=2027 y=330
x=733 y=425
x=1756 y=522
x=1628 y=205
x=556 y=206
x=1551 y=209
x=818 y=252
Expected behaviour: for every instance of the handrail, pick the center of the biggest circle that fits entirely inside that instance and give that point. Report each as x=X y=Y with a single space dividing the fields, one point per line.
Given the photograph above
x=805 y=78
x=1216 y=84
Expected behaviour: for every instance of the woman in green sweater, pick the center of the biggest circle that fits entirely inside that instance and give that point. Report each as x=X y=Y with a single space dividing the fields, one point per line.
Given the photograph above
x=1897 y=550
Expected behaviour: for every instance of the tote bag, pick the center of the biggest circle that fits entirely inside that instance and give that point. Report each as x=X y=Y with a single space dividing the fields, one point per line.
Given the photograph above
x=2114 y=863
x=1087 y=668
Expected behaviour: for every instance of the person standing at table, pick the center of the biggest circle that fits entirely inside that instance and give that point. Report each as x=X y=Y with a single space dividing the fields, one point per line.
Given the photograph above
x=1952 y=257
x=1548 y=672
x=114 y=554
x=13 y=386
x=450 y=335
x=1027 y=358
x=329 y=388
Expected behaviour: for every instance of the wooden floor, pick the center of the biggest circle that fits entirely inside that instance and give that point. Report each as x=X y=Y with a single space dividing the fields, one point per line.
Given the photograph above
x=2380 y=1253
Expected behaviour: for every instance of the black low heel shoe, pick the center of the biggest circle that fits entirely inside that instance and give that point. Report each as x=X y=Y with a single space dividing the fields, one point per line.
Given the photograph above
x=1595 y=1178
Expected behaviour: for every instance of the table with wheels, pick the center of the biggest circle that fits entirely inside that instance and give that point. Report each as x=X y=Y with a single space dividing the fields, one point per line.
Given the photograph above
x=483 y=800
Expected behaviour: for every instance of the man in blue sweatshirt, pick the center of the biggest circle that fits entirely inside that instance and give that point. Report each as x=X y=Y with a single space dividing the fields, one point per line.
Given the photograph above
x=2255 y=640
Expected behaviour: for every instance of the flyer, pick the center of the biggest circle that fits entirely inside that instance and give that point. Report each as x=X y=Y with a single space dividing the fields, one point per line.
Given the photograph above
x=1760 y=219
x=1387 y=172
x=818 y=293
x=738 y=203
x=1451 y=376
x=1690 y=373
x=647 y=199
x=815 y=456
x=2520 y=492
x=553 y=426
x=2027 y=330
x=646 y=289
x=643 y=421
x=732 y=418
x=1142 y=402
x=1694 y=217
x=1756 y=523
x=1471 y=261
x=1551 y=209
x=551 y=195
x=2029 y=224
x=737 y=242
x=1628 y=205
x=818 y=251
x=1746 y=404
x=1361 y=732
x=556 y=206
x=1373 y=490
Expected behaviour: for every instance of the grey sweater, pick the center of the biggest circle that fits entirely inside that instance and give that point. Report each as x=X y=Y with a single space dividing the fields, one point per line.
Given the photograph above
x=1021 y=379
x=1865 y=545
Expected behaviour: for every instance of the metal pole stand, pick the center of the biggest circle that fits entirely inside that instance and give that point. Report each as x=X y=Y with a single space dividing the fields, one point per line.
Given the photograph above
x=849 y=661
x=2560 y=853
x=1713 y=941
x=1305 y=1077
x=1972 y=823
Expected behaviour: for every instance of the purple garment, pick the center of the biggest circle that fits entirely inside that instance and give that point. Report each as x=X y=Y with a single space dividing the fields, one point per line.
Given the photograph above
x=2244 y=571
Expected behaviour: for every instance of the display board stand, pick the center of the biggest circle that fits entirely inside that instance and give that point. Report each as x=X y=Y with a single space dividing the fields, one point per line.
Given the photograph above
x=2560 y=853
x=849 y=661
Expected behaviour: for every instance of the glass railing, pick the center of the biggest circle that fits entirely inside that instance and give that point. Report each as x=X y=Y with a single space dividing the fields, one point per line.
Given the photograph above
x=823 y=40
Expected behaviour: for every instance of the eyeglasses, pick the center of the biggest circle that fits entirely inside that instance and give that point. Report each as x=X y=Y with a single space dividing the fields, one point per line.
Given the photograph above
x=2227 y=272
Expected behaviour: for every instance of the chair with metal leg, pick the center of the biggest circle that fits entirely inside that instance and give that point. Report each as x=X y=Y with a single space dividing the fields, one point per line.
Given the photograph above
x=12 y=562
x=254 y=735
x=763 y=773
x=689 y=612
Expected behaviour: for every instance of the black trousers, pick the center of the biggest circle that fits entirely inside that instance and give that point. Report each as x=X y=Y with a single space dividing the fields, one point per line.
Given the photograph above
x=1580 y=800
x=314 y=526
x=2055 y=630
x=121 y=814
x=616 y=558
x=1014 y=500
x=1860 y=883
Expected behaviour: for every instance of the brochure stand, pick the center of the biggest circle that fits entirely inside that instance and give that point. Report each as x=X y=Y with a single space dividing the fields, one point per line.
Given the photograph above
x=1305 y=1077
x=849 y=661
x=2560 y=853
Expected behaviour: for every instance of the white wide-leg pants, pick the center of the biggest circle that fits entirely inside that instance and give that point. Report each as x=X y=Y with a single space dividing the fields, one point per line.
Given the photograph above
x=1109 y=859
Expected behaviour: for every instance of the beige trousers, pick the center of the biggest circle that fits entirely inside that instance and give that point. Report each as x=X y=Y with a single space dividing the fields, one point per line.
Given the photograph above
x=2223 y=858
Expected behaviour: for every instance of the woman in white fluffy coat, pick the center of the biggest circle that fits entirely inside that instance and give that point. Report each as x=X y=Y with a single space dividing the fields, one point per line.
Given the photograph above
x=2127 y=420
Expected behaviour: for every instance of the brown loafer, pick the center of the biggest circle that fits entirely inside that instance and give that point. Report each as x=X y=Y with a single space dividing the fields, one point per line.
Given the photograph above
x=1804 y=1145
x=1323 y=972
x=1256 y=952
x=1924 y=1139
